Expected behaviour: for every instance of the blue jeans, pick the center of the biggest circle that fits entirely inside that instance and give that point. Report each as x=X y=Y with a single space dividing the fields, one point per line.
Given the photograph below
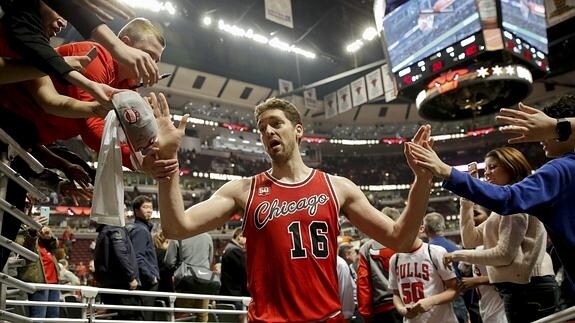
x=44 y=311
x=529 y=302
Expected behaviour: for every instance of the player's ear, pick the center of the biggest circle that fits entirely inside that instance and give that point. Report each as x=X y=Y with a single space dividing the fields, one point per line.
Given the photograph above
x=299 y=132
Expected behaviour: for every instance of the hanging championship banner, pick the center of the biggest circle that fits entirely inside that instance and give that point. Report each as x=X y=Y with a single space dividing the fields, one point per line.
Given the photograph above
x=344 y=99
x=358 y=92
x=374 y=84
x=310 y=99
x=279 y=11
x=330 y=105
x=389 y=86
x=285 y=86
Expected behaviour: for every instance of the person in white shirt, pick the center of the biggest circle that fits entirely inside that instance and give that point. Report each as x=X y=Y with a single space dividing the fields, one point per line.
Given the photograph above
x=346 y=288
x=423 y=286
x=491 y=306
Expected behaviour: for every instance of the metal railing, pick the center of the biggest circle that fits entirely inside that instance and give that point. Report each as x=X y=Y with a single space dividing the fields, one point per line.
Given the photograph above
x=561 y=316
x=89 y=308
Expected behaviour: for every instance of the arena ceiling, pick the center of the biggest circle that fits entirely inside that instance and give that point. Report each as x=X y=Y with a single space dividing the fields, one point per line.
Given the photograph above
x=210 y=67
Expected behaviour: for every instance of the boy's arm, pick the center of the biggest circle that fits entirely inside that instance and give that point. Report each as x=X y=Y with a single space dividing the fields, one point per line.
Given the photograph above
x=425 y=304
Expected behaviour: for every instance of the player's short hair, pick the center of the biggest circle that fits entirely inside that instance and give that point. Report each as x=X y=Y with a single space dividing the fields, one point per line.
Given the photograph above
x=289 y=110
x=139 y=200
x=237 y=232
x=391 y=212
x=434 y=223
x=513 y=161
x=562 y=108
x=138 y=28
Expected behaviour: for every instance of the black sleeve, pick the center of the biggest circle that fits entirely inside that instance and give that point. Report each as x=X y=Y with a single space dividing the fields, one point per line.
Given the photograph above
x=24 y=34
x=81 y=18
x=124 y=254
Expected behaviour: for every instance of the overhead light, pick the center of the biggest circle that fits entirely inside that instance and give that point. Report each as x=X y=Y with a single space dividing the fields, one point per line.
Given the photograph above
x=207 y=21
x=152 y=5
x=275 y=42
x=369 y=34
x=355 y=46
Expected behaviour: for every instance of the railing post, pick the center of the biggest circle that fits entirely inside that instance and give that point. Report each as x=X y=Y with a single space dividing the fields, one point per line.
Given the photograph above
x=89 y=297
x=172 y=317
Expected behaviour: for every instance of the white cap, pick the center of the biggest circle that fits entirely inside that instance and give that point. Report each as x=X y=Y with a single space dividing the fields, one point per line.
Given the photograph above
x=136 y=119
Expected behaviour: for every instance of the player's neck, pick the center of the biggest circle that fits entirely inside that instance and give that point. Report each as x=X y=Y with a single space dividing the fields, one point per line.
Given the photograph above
x=291 y=171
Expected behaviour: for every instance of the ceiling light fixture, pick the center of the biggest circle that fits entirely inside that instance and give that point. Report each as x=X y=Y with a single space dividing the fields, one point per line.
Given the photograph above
x=152 y=5
x=368 y=35
x=275 y=42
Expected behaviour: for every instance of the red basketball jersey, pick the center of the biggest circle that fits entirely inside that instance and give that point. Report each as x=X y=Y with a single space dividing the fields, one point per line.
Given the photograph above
x=291 y=249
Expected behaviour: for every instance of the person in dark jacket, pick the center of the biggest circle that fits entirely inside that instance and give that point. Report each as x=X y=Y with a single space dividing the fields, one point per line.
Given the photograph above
x=234 y=277
x=141 y=236
x=114 y=254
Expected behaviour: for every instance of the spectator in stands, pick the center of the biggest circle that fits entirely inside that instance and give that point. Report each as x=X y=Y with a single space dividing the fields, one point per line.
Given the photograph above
x=423 y=287
x=66 y=276
x=374 y=297
x=114 y=253
x=347 y=288
x=161 y=244
x=44 y=271
x=233 y=268
x=24 y=20
x=434 y=229
x=541 y=194
x=196 y=251
x=26 y=114
x=68 y=239
x=141 y=236
x=514 y=246
x=81 y=272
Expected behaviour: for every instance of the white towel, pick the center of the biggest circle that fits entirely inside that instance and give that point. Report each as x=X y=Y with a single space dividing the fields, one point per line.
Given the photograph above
x=108 y=198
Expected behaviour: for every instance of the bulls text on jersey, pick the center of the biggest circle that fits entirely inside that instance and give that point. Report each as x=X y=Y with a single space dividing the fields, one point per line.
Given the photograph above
x=413 y=269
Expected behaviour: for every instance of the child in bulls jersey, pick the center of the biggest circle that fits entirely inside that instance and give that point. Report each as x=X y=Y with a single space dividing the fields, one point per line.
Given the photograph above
x=423 y=286
x=290 y=217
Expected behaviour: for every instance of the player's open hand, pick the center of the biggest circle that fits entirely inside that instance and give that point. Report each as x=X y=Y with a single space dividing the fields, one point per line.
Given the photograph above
x=426 y=157
x=422 y=136
x=529 y=124
x=169 y=137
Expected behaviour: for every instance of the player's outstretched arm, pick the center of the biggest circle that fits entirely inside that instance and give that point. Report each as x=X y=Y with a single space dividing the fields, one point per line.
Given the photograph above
x=396 y=235
x=209 y=214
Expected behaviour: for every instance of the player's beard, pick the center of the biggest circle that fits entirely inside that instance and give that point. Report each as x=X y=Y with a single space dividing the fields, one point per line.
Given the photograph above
x=285 y=153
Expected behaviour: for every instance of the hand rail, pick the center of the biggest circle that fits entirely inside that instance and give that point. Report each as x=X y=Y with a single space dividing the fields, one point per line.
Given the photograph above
x=21 y=181
x=34 y=164
x=24 y=252
x=89 y=308
x=16 y=283
x=4 y=205
x=11 y=317
x=560 y=316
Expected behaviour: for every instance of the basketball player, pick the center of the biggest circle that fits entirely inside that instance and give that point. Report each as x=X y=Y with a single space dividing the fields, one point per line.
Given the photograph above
x=290 y=217
x=423 y=287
